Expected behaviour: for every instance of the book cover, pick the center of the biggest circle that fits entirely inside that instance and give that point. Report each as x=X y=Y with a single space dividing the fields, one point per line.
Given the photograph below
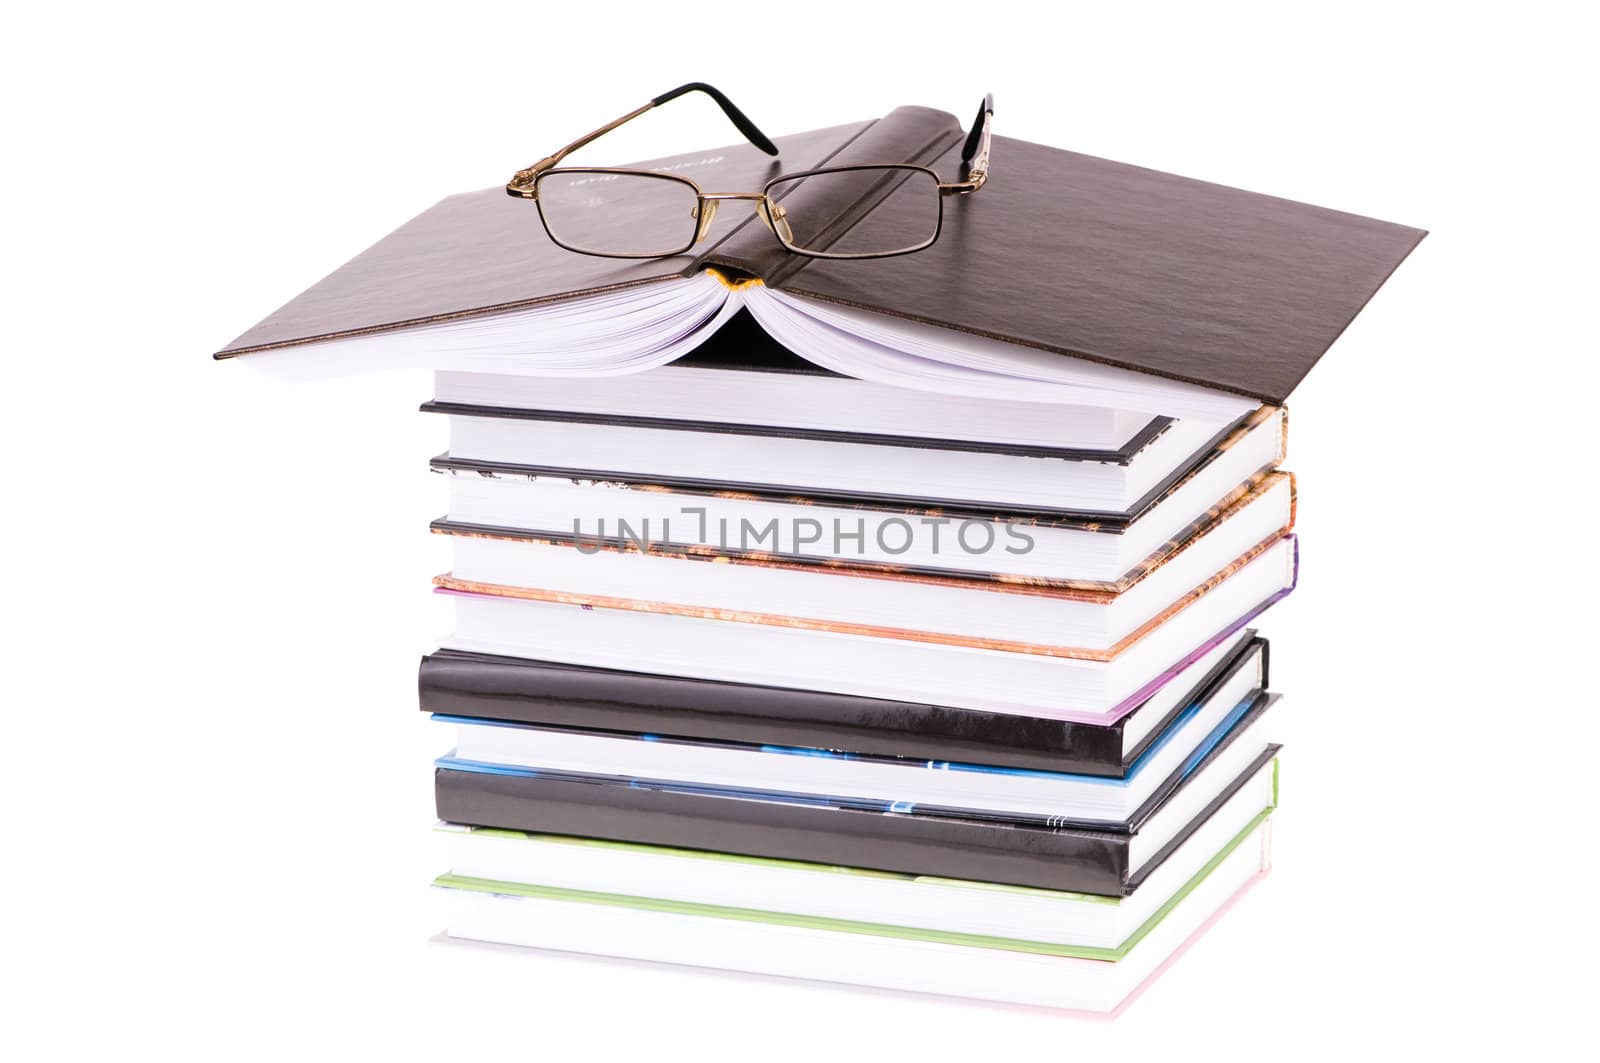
x=1059 y=252
x=550 y=694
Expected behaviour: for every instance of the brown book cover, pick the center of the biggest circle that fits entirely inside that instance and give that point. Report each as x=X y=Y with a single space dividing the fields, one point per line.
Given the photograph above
x=1059 y=251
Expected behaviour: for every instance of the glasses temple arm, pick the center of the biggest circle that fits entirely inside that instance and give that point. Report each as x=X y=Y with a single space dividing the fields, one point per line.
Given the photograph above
x=736 y=116
x=979 y=133
x=523 y=181
x=974 y=153
x=522 y=184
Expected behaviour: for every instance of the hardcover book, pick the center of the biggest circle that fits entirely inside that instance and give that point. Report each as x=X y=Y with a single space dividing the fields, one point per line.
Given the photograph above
x=1025 y=947
x=1025 y=851
x=493 y=496
x=1053 y=482
x=455 y=683
x=1021 y=972
x=880 y=598
x=1062 y=266
x=956 y=788
x=1031 y=675
x=1084 y=924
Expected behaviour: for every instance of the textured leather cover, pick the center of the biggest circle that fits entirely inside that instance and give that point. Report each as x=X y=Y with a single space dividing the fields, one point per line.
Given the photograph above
x=1131 y=267
x=1059 y=251
x=547 y=694
x=1085 y=861
x=482 y=252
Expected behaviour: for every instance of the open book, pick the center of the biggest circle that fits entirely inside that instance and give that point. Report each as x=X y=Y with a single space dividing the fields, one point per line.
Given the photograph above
x=1068 y=280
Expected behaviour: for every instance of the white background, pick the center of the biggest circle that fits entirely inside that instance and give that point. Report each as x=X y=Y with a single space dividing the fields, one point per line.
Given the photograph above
x=217 y=785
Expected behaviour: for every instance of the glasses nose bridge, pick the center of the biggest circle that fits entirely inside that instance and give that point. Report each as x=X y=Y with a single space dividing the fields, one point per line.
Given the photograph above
x=772 y=215
x=706 y=210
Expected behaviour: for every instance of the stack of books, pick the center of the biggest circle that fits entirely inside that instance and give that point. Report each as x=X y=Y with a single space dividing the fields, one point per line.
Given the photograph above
x=883 y=622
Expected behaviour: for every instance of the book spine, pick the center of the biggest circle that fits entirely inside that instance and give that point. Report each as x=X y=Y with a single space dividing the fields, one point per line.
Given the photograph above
x=1076 y=860
x=455 y=683
x=916 y=135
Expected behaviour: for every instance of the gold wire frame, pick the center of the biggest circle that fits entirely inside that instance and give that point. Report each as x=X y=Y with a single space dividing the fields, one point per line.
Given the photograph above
x=524 y=184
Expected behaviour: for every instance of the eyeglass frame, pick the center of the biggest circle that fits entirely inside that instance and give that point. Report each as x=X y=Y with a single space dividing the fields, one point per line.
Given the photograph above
x=524 y=184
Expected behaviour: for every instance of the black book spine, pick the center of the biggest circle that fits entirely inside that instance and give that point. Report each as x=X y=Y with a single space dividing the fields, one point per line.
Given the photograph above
x=545 y=694
x=1083 y=861
x=983 y=850
x=455 y=683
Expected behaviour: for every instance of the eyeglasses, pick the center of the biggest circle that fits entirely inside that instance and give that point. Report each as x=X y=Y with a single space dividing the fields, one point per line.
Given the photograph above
x=624 y=213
